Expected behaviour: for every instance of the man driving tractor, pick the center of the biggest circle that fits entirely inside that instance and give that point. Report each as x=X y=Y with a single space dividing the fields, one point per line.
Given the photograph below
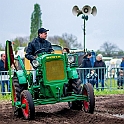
x=38 y=43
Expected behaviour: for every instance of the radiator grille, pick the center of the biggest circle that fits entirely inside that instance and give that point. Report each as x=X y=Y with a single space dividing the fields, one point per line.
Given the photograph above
x=55 y=70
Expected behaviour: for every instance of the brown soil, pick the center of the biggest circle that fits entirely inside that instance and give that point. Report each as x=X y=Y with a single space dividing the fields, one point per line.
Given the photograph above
x=105 y=113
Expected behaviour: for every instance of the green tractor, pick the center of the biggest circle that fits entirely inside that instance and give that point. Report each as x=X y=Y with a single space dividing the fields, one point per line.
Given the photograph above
x=56 y=81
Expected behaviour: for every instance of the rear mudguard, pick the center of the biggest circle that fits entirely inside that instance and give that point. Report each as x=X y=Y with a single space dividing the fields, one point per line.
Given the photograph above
x=21 y=77
x=72 y=73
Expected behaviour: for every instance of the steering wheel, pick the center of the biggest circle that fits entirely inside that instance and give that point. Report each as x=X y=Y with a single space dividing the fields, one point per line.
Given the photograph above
x=39 y=51
x=43 y=50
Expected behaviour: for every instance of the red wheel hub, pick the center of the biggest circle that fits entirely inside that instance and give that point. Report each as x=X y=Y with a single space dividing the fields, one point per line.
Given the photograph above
x=26 y=109
x=14 y=94
x=86 y=104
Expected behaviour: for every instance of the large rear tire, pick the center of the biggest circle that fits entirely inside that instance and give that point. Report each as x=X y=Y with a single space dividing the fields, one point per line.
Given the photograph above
x=16 y=96
x=89 y=92
x=29 y=110
x=75 y=86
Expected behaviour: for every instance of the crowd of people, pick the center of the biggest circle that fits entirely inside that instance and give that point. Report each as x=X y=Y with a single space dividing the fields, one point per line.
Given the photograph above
x=96 y=74
x=93 y=74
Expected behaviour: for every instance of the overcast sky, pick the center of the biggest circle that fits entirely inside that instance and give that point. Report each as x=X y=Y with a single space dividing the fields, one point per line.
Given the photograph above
x=107 y=25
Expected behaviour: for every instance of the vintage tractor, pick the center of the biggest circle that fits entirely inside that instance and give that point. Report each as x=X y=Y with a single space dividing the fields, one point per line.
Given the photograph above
x=56 y=81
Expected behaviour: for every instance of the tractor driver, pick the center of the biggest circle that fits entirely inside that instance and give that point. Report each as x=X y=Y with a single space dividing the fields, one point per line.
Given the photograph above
x=38 y=43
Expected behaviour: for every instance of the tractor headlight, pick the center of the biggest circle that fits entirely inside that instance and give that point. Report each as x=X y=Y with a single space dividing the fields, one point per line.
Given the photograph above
x=70 y=59
x=35 y=63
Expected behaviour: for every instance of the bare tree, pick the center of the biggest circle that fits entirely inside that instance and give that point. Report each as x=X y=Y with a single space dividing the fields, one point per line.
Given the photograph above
x=20 y=42
x=71 y=41
x=109 y=48
x=57 y=40
x=66 y=40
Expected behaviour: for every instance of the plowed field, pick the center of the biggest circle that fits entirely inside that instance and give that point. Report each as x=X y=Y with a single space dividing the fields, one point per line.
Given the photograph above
x=108 y=110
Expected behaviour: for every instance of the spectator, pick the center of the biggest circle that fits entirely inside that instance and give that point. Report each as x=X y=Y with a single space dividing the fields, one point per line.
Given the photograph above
x=100 y=72
x=4 y=79
x=86 y=63
x=120 y=79
x=122 y=63
x=91 y=77
x=65 y=49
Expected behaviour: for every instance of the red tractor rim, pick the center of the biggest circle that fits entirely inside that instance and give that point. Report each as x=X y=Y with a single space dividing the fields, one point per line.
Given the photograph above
x=14 y=94
x=86 y=104
x=26 y=109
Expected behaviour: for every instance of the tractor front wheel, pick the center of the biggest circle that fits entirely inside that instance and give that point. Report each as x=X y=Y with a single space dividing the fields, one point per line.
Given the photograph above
x=88 y=104
x=28 y=109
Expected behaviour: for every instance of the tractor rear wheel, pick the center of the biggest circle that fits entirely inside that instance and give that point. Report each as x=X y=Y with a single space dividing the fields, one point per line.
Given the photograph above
x=16 y=96
x=77 y=89
x=90 y=104
x=29 y=109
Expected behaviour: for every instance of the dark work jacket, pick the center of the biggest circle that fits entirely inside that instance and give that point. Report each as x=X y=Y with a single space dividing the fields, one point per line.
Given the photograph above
x=35 y=45
x=2 y=68
x=86 y=63
x=100 y=72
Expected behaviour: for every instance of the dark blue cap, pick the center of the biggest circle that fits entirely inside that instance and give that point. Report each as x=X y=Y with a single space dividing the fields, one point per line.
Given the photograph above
x=42 y=30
